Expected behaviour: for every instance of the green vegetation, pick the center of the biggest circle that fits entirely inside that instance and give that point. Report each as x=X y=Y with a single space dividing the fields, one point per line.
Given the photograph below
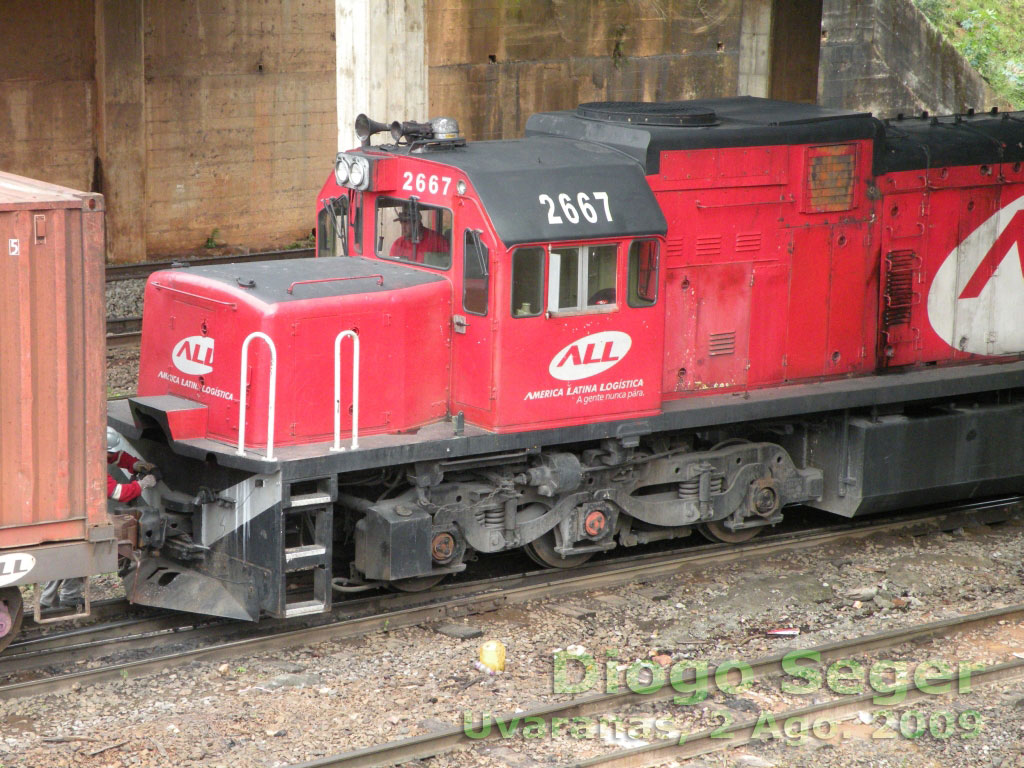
x=987 y=33
x=211 y=241
x=309 y=241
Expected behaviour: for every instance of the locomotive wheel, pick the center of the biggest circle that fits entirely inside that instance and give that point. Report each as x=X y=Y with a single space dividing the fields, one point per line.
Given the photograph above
x=542 y=552
x=11 y=597
x=542 y=549
x=416 y=584
x=717 y=531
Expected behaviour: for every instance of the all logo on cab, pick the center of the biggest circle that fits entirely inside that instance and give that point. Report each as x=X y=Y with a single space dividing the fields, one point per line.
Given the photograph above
x=590 y=355
x=193 y=355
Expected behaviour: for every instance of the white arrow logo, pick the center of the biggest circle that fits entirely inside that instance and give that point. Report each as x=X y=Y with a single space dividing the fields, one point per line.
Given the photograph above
x=976 y=301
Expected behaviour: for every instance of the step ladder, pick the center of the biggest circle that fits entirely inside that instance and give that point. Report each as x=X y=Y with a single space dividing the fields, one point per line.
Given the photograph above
x=302 y=509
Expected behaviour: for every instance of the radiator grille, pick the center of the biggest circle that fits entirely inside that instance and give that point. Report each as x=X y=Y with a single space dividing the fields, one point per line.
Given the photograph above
x=899 y=287
x=674 y=247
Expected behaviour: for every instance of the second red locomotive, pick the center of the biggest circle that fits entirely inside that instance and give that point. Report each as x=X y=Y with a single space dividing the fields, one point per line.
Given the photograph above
x=639 y=320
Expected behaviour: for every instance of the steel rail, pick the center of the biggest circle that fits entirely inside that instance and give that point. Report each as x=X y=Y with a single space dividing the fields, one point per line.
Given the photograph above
x=142 y=270
x=123 y=331
x=432 y=744
x=741 y=733
x=117 y=340
x=26 y=651
x=121 y=325
x=403 y=610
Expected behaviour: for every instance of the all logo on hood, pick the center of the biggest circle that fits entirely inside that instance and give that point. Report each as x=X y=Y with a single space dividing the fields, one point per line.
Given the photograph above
x=975 y=299
x=590 y=355
x=193 y=355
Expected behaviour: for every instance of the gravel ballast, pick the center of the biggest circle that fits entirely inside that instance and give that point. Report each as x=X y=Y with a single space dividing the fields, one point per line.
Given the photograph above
x=273 y=709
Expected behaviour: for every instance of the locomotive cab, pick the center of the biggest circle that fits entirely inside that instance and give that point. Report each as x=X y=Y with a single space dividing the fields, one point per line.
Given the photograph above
x=553 y=252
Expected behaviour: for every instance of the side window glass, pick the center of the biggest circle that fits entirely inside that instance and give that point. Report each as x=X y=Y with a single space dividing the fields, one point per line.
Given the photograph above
x=474 y=273
x=332 y=227
x=527 y=282
x=643 y=273
x=325 y=240
x=600 y=275
x=413 y=232
x=581 y=277
x=564 y=286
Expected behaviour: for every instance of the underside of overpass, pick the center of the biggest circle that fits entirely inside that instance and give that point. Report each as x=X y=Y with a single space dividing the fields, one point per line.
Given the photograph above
x=206 y=123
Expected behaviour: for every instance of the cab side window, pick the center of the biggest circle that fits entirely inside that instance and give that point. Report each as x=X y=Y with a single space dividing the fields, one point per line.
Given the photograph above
x=527 y=282
x=474 y=273
x=581 y=277
x=601 y=269
x=331 y=227
x=643 y=273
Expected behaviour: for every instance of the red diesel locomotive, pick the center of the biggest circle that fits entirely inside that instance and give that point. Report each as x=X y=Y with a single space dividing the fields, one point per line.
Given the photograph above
x=637 y=321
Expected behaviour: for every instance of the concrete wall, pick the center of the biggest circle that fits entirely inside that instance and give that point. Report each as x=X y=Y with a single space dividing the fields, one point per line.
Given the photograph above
x=201 y=115
x=189 y=115
x=796 y=44
x=882 y=56
x=47 y=91
x=240 y=119
x=492 y=63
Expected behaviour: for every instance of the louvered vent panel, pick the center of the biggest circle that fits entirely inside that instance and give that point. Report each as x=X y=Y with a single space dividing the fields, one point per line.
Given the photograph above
x=674 y=247
x=721 y=343
x=747 y=242
x=709 y=246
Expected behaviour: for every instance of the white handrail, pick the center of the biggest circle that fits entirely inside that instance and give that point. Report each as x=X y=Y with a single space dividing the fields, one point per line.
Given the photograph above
x=242 y=394
x=337 y=389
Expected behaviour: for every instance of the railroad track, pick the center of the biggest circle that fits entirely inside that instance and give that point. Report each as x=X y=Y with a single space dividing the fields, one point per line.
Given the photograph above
x=49 y=657
x=127 y=331
x=679 y=746
x=142 y=270
x=123 y=331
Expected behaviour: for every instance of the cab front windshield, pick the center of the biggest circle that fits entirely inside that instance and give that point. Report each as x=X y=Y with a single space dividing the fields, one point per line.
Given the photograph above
x=410 y=231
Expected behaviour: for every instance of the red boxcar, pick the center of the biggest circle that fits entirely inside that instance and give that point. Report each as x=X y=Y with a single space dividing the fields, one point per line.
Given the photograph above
x=53 y=513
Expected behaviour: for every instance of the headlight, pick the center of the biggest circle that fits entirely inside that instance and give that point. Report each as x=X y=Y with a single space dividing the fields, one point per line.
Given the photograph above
x=341 y=170
x=357 y=173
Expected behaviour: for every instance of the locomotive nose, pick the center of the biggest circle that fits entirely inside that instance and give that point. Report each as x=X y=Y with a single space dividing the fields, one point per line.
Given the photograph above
x=218 y=335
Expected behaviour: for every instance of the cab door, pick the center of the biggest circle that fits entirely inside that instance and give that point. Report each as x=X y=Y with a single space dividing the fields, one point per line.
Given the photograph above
x=472 y=333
